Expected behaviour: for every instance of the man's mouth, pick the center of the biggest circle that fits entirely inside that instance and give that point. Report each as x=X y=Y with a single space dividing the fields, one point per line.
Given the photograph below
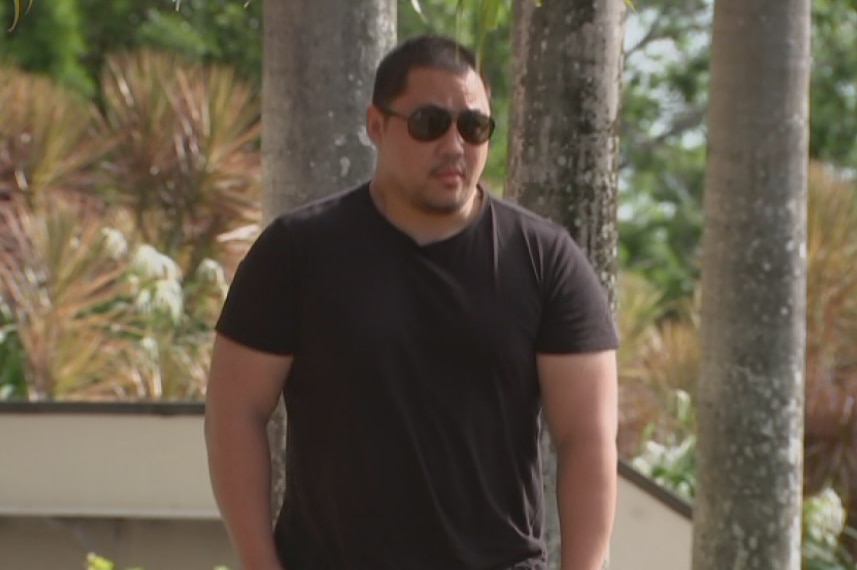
x=449 y=173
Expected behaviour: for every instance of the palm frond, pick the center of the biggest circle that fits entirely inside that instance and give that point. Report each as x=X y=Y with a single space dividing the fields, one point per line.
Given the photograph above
x=658 y=359
x=68 y=298
x=16 y=12
x=48 y=138
x=188 y=162
x=831 y=361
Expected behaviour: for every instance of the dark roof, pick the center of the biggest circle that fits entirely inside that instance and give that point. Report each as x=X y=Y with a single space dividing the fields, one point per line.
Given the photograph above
x=155 y=408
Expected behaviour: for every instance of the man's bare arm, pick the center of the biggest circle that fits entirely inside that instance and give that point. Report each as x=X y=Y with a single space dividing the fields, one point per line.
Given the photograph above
x=579 y=393
x=244 y=387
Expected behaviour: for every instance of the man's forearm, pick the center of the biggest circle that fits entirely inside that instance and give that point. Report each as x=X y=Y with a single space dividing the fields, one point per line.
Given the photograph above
x=586 y=495
x=240 y=469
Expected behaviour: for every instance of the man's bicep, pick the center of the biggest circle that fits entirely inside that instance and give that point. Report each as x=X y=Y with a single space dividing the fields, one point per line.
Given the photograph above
x=579 y=395
x=245 y=378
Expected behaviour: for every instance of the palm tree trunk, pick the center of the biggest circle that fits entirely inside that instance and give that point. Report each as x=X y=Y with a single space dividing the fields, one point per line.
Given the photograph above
x=563 y=147
x=750 y=397
x=319 y=62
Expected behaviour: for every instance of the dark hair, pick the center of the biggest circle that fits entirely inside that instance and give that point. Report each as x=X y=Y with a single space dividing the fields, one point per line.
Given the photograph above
x=430 y=50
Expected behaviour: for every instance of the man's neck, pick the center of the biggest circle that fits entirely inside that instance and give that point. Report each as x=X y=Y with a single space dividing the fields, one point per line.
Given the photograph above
x=425 y=228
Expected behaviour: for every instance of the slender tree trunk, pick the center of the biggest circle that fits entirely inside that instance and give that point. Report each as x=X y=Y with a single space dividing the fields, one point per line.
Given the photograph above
x=563 y=147
x=320 y=59
x=319 y=62
x=750 y=397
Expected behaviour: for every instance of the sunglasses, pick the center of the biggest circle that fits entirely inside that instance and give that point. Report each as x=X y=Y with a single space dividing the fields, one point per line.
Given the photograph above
x=429 y=123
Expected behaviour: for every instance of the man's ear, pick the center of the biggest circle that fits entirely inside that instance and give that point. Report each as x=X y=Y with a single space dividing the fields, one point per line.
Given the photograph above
x=374 y=124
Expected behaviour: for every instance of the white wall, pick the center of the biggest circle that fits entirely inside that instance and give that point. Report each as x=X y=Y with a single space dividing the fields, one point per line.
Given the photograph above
x=104 y=465
x=648 y=535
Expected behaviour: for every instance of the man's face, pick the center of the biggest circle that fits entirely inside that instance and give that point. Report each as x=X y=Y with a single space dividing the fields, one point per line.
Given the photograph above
x=438 y=176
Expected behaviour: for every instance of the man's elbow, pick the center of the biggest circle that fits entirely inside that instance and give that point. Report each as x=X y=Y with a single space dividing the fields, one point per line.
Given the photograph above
x=590 y=459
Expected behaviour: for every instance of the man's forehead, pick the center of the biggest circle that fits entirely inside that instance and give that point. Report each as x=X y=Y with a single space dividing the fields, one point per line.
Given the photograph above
x=429 y=83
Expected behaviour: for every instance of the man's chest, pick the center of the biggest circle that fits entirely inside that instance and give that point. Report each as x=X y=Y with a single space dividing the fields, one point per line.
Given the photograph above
x=445 y=304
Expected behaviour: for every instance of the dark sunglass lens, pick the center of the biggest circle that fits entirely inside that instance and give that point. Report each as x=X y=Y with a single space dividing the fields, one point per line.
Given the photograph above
x=475 y=127
x=429 y=123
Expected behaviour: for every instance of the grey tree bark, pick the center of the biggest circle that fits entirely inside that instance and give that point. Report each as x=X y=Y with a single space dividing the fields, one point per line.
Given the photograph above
x=319 y=62
x=563 y=144
x=564 y=114
x=750 y=397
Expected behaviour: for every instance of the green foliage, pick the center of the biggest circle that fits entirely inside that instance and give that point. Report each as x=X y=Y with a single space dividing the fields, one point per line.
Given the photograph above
x=45 y=143
x=659 y=364
x=663 y=131
x=671 y=466
x=663 y=143
x=223 y=32
x=12 y=358
x=488 y=19
x=71 y=39
x=46 y=138
x=91 y=305
x=823 y=523
x=659 y=356
x=186 y=159
x=664 y=100
x=65 y=289
x=175 y=319
x=674 y=467
x=16 y=7
x=49 y=40
x=661 y=218
x=95 y=562
x=831 y=363
x=99 y=316
x=834 y=82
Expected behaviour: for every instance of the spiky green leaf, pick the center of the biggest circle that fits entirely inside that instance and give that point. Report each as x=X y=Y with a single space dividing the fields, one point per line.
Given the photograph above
x=16 y=10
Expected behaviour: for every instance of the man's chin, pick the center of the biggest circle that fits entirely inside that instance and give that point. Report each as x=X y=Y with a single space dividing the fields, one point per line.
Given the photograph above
x=445 y=206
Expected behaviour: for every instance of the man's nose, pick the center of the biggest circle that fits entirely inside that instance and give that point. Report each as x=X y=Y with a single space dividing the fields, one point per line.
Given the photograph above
x=451 y=142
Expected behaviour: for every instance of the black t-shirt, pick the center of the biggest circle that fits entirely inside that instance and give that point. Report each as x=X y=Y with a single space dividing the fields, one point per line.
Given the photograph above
x=413 y=399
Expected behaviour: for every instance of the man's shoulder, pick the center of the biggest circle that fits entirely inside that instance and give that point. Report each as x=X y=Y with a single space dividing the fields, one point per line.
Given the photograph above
x=513 y=217
x=322 y=215
x=333 y=205
x=322 y=220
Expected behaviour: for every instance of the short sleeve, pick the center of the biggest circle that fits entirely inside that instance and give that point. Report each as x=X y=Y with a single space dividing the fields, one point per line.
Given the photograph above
x=260 y=310
x=576 y=316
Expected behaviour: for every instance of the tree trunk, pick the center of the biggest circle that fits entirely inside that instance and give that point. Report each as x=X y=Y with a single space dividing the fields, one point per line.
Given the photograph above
x=750 y=399
x=320 y=59
x=563 y=145
x=319 y=62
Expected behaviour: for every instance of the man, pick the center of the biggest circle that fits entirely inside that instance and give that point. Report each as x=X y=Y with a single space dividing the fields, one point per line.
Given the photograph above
x=416 y=327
